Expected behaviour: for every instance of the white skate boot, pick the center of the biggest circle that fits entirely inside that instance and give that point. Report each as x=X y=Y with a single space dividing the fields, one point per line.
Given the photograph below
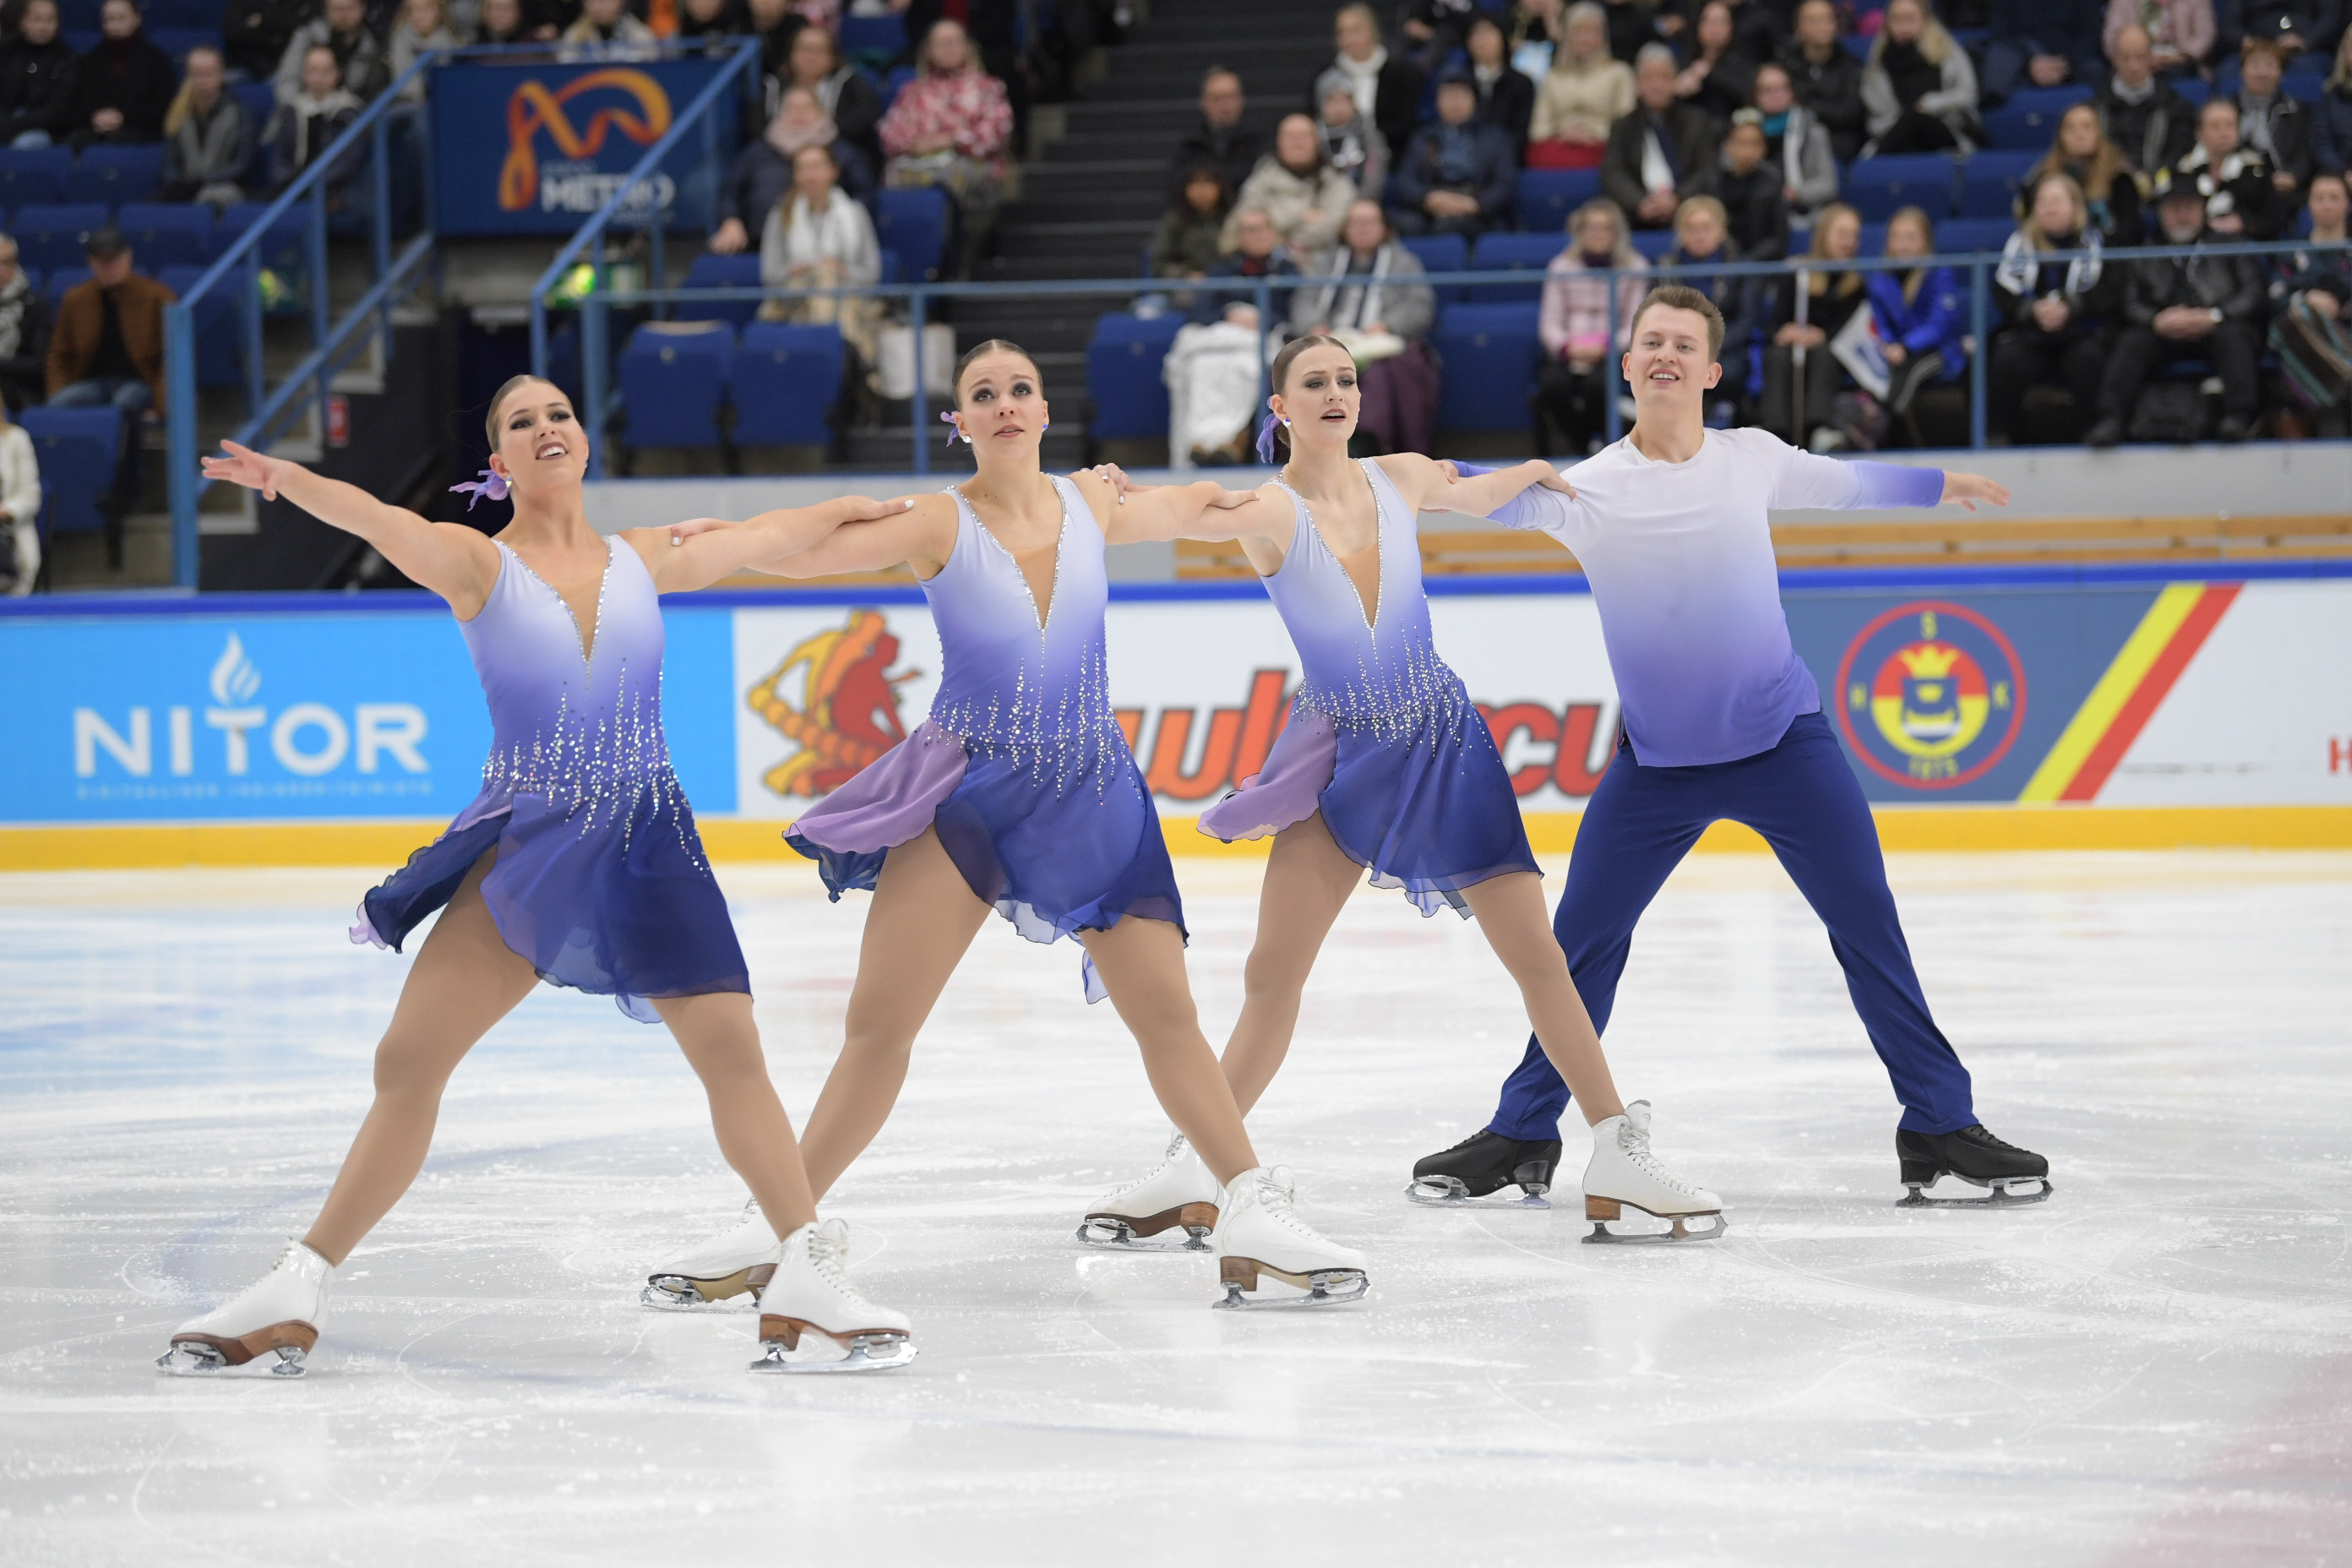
x=1180 y=1196
x=725 y=1266
x=1623 y=1174
x=1258 y=1233
x=282 y=1312
x=809 y=1292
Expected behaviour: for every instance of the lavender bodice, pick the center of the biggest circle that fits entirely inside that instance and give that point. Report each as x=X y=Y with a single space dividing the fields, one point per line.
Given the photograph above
x=1366 y=667
x=1016 y=684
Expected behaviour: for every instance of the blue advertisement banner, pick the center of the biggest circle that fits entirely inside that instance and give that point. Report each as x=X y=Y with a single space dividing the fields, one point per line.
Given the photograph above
x=179 y=718
x=537 y=148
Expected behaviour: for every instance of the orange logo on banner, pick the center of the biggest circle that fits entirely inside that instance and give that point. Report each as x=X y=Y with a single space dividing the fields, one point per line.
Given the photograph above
x=848 y=714
x=533 y=109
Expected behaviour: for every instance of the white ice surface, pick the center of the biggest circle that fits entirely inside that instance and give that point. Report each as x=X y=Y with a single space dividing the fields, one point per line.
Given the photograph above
x=2154 y=1367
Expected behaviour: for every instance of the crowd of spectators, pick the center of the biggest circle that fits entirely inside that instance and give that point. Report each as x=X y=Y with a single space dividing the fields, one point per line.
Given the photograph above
x=1732 y=125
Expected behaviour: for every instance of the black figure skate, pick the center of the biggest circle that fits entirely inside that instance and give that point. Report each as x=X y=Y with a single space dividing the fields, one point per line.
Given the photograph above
x=1976 y=1157
x=1486 y=1163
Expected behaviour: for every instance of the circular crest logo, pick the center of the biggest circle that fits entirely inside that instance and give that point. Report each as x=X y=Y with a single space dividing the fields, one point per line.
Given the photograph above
x=1930 y=695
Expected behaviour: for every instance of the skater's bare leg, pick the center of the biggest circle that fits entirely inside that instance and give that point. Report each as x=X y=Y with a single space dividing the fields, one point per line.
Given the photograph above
x=722 y=1044
x=1141 y=963
x=923 y=917
x=1510 y=911
x=1308 y=881
x=465 y=979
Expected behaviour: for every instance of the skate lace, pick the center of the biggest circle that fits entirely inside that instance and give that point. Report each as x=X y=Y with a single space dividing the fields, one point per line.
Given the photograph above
x=1635 y=1146
x=1982 y=1136
x=1175 y=1153
x=829 y=1256
x=1279 y=1200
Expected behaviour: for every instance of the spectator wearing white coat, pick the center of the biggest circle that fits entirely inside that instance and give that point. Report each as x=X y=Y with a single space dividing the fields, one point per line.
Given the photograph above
x=20 y=506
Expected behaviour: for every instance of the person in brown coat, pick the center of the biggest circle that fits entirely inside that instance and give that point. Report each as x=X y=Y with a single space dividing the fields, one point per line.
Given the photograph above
x=108 y=342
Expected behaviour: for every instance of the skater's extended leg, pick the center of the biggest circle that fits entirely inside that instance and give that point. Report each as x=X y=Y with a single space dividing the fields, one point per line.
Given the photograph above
x=1308 y=881
x=1510 y=913
x=923 y=917
x=465 y=979
x=1141 y=964
x=722 y=1044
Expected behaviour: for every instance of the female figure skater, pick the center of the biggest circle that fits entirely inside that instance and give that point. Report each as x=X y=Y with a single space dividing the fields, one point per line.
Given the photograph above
x=1386 y=766
x=578 y=863
x=1019 y=795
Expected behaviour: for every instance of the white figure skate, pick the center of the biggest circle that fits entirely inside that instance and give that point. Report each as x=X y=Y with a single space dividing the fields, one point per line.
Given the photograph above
x=282 y=1312
x=1623 y=1174
x=1180 y=1195
x=809 y=1293
x=1258 y=1234
x=724 y=1267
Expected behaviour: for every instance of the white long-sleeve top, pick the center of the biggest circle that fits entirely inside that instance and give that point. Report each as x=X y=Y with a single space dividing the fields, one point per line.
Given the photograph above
x=20 y=497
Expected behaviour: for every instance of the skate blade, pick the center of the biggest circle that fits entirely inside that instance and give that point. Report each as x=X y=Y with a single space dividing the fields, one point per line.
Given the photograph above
x=2002 y=1194
x=187 y=1359
x=1452 y=1193
x=681 y=1293
x=1605 y=1212
x=865 y=1352
x=1113 y=1234
x=1318 y=1287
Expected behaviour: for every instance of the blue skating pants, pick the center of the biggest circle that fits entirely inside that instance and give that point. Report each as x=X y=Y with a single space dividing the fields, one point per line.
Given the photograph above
x=1801 y=798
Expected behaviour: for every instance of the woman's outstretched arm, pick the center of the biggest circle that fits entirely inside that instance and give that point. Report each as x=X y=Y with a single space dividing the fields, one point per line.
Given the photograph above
x=912 y=530
x=1431 y=486
x=683 y=561
x=454 y=561
x=1140 y=514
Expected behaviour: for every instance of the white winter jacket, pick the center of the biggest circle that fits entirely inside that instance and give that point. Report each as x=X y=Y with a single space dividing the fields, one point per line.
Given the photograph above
x=20 y=497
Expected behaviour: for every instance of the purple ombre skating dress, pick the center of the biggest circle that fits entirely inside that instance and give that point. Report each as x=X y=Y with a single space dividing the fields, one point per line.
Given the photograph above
x=1022 y=766
x=1383 y=739
x=601 y=881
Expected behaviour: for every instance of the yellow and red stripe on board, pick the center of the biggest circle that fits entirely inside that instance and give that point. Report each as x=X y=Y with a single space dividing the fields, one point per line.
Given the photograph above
x=2131 y=690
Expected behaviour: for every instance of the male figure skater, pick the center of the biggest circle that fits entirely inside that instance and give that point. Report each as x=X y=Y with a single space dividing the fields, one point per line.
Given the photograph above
x=1721 y=720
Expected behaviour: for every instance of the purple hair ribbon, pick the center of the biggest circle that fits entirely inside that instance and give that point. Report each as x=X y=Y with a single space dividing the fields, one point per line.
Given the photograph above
x=950 y=421
x=1265 y=437
x=492 y=486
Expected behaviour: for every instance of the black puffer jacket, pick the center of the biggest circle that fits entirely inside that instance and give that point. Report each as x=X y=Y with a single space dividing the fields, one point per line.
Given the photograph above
x=2232 y=284
x=36 y=83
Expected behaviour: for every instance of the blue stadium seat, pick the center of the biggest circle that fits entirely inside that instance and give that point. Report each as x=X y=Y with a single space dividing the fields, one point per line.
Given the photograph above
x=1441 y=253
x=2028 y=120
x=1548 y=195
x=1857 y=45
x=673 y=377
x=282 y=248
x=894 y=85
x=1490 y=353
x=118 y=174
x=202 y=16
x=1123 y=364
x=34 y=174
x=64 y=281
x=914 y=223
x=50 y=235
x=1879 y=187
x=881 y=37
x=891 y=273
x=218 y=359
x=2195 y=89
x=786 y=380
x=710 y=271
x=1990 y=180
x=260 y=102
x=166 y=234
x=1652 y=243
x=1965 y=235
x=76 y=449
x=177 y=41
x=1870 y=242
x=1529 y=253
x=78 y=15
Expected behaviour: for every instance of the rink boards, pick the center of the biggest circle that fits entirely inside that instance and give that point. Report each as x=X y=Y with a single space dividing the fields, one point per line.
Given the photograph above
x=2020 y=707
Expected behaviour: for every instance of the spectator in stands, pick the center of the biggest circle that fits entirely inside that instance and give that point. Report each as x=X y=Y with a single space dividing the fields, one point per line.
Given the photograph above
x=777 y=27
x=715 y=21
x=2331 y=120
x=20 y=509
x=208 y=137
x=1188 y=241
x=1536 y=32
x=37 y=80
x=2084 y=153
x=1351 y=143
x=847 y=98
x=1719 y=77
x=258 y=31
x=950 y=127
x=1797 y=145
x=344 y=28
x=503 y=22
x=2309 y=295
x=422 y=28
x=1803 y=375
x=1459 y=173
x=1586 y=92
x=24 y=333
x=1579 y=357
x=1507 y=98
x=762 y=175
x=1303 y=197
x=2042 y=43
x=2179 y=32
x=1919 y=86
x=2144 y=115
x=1213 y=366
x=1921 y=317
x=2053 y=315
x=2293 y=26
x=1387 y=88
x=1433 y=29
x=1220 y=140
x=1661 y=153
x=1254 y=250
x=2208 y=308
x=1703 y=238
x=305 y=126
x=2242 y=200
x=1827 y=79
x=1384 y=325
x=109 y=343
x=1634 y=23
x=818 y=238
x=121 y=87
x=605 y=24
x=1749 y=186
x=2271 y=123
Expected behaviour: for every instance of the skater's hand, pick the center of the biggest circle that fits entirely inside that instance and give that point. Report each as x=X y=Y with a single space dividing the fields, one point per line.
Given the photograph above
x=1116 y=478
x=1970 y=488
x=1226 y=500
x=244 y=466
x=679 y=533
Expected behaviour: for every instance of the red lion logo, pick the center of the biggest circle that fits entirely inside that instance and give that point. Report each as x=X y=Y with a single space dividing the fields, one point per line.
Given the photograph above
x=848 y=714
